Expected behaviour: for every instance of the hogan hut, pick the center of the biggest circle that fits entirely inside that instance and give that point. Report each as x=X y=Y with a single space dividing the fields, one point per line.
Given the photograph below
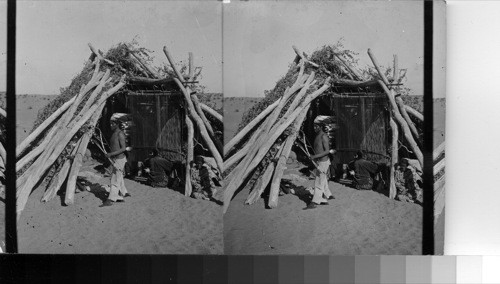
x=364 y=110
x=159 y=104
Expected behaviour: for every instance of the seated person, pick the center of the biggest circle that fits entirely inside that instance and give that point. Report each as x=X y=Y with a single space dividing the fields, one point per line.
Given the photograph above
x=406 y=178
x=158 y=169
x=204 y=177
x=363 y=171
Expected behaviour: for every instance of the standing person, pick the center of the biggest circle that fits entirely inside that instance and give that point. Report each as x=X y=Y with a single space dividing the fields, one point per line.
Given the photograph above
x=118 y=148
x=322 y=192
x=363 y=171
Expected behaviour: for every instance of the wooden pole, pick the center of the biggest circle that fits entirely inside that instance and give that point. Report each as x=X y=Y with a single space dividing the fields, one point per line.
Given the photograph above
x=78 y=158
x=262 y=182
x=394 y=158
x=197 y=107
x=401 y=119
x=201 y=126
x=96 y=80
x=438 y=151
x=236 y=139
x=283 y=157
x=406 y=129
x=172 y=63
x=274 y=133
x=59 y=178
x=61 y=140
x=395 y=70
x=188 y=189
x=42 y=127
x=301 y=55
x=143 y=63
x=191 y=67
x=353 y=70
x=212 y=112
x=3 y=153
x=439 y=166
x=414 y=113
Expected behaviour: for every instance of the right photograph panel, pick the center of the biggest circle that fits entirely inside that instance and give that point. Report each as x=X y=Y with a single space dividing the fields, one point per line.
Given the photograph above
x=323 y=127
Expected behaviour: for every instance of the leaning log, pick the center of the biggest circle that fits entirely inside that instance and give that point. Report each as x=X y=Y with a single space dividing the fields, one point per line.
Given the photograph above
x=3 y=153
x=42 y=127
x=201 y=126
x=438 y=151
x=414 y=113
x=406 y=129
x=353 y=70
x=281 y=164
x=172 y=64
x=394 y=158
x=197 y=107
x=58 y=179
x=212 y=112
x=236 y=139
x=439 y=166
x=274 y=133
x=188 y=188
x=61 y=124
x=262 y=182
x=49 y=157
x=397 y=114
x=78 y=158
x=3 y=112
x=191 y=67
x=143 y=63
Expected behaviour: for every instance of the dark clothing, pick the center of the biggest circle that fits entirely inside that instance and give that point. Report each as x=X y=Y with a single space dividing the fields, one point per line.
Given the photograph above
x=364 y=170
x=160 y=169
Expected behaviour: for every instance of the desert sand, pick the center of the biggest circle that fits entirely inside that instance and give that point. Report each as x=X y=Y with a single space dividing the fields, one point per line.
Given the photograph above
x=356 y=222
x=151 y=221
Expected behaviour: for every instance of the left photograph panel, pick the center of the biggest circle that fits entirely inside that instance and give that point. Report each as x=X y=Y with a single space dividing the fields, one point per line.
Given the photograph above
x=119 y=127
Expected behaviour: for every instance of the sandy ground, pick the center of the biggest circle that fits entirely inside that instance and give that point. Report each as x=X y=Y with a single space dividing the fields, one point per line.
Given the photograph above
x=151 y=221
x=356 y=222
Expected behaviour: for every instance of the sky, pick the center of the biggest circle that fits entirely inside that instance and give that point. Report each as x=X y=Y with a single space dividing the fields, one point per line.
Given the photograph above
x=258 y=38
x=53 y=37
x=253 y=38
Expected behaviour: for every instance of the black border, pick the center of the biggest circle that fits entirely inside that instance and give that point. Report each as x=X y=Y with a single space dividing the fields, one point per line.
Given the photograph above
x=100 y=267
x=10 y=171
x=428 y=147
